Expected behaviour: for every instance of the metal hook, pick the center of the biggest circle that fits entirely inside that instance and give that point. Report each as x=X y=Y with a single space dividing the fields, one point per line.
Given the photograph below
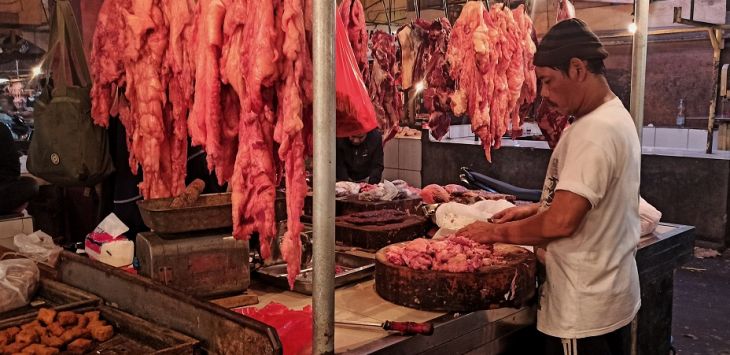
x=446 y=8
x=486 y=4
x=387 y=16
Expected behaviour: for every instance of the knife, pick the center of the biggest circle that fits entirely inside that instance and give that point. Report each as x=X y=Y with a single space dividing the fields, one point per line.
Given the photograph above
x=405 y=328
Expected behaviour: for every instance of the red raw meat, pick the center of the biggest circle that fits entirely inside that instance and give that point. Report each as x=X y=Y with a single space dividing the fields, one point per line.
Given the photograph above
x=293 y=327
x=551 y=122
x=489 y=63
x=384 y=93
x=352 y=14
x=565 y=11
x=453 y=254
x=453 y=188
x=434 y=194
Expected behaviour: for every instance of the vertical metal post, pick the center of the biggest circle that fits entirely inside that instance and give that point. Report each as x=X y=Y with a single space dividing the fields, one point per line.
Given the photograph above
x=323 y=295
x=717 y=41
x=638 y=62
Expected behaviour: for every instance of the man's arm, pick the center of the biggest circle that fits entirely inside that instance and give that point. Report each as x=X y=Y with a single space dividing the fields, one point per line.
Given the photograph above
x=376 y=164
x=561 y=220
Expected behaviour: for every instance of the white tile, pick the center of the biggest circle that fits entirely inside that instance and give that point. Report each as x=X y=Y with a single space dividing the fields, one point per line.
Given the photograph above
x=390 y=153
x=411 y=177
x=409 y=154
x=697 y=139
x=671 y=138
x=390 y=174
x=647 y=136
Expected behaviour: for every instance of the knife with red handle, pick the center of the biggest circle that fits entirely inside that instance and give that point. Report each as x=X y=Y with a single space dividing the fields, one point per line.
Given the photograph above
x=405 y=328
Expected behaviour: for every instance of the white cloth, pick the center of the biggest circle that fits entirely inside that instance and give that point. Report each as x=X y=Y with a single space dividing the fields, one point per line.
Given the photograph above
x=452 y=216
x=592 y=285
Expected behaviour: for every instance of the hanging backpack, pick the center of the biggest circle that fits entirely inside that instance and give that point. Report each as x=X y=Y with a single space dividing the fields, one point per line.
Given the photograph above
x=67 y=148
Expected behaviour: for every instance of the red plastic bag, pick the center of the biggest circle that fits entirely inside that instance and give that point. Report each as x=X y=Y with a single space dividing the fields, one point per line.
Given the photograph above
x=355 y=111
x=293 y=326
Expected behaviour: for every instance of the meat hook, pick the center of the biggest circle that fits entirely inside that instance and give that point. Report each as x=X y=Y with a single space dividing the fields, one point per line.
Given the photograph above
x=387 y=16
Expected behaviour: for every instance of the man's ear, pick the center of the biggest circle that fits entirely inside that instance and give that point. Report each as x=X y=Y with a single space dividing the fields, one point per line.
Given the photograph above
x=578 y=69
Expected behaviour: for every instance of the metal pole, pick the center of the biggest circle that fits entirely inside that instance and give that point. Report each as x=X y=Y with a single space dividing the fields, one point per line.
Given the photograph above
x=323 y=295
x=716 y=37
x=638 y=62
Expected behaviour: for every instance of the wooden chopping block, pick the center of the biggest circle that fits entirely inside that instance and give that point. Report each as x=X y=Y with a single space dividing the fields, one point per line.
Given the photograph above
x=511 y=284
x=351 y=205
x=374 y=237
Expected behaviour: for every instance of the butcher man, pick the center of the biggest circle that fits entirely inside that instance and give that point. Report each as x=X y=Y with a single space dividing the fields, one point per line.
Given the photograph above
x=587 y=220
x=360 y=158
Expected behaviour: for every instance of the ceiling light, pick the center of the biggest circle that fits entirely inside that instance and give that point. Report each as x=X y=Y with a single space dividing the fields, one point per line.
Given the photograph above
x=632 y=28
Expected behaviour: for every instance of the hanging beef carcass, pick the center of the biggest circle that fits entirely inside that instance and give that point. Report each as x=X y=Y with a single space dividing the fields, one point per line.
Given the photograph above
x=433 y=71
x=352 y=14
x=382 y=87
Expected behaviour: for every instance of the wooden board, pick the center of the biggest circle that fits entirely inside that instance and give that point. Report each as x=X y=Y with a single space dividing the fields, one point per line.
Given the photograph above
x=509 y=285
x=373 y=237
x=351 y=205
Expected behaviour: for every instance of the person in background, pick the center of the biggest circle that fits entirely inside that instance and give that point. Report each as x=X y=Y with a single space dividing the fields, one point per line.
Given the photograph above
x=360 y=158
x=15 y=190
x=6 y=109
x=587 y=223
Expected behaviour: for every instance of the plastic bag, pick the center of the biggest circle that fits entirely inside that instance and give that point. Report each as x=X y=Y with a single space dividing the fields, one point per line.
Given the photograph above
x=18 y=283
x=650 y=217
x=355 y=111
x=38 y=246
x=294 y=327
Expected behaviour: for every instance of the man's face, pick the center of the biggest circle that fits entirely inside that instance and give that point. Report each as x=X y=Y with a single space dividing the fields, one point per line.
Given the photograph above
x=357 y=140
x=559 y=89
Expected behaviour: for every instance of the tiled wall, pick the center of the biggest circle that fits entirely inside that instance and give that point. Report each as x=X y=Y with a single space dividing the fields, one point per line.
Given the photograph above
x=679 y=138
x=402 y=160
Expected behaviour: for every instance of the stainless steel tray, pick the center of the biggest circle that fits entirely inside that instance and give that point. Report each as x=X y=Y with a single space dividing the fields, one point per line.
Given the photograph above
x=355 y=268
x=210 y=211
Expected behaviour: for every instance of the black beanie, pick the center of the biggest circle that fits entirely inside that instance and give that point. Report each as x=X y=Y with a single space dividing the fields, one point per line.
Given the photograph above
x=568 y=39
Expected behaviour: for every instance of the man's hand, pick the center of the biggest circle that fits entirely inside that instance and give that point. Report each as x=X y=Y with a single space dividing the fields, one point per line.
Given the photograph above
x=515 y=213
x=480 y=232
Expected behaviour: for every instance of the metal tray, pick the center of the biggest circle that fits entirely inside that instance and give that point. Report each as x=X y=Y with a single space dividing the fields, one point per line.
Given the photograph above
x=355 y=268
x=132 y=336
x=53 y=294
x=210 y=211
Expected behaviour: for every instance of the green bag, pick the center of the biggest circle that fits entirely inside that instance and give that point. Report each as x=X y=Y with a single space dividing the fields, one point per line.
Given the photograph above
x=67 y=148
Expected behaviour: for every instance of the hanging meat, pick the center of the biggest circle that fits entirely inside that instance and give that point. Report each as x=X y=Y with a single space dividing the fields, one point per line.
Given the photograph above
x=143 y=84
x=488 y=59
x=352 y=14
x=433 y=71
x=408 y=53
x=383 y=87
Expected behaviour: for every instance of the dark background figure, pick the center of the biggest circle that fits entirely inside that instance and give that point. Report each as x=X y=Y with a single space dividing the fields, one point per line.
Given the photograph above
x=15 y=190
x=360 y=158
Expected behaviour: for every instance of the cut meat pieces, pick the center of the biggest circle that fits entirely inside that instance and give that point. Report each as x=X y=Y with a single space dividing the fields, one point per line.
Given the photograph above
x=551 y=122
x=434 y=194
x=383 y=90
x=454 y=254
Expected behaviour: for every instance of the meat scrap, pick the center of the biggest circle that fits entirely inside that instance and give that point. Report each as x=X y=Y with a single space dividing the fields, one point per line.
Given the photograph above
x=383 y=89
x=437 y=194
x=489 y=54
x=453 y=254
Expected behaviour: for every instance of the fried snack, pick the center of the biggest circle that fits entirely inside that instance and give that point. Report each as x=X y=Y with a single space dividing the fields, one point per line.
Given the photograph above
x=32 y=324
x=52 y=341
x=75 y=333
x=93 y=316
x=83 y=321
x=37 y=349
x=97 y=323
x=190 y=195
x=47 y=315
x=67 y=318
x=56 y=329
x=11 y=332
x=28 y=336
x=79 y=346
x=102 y=333
x=15 y=347
x=4 y=340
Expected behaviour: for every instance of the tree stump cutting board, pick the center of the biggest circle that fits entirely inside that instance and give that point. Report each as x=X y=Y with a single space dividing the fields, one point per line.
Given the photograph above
x=511 y=284
x=351 y=204
x=374 y=237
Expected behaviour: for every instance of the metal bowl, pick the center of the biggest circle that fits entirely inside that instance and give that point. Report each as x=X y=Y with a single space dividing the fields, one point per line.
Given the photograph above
x=306 y=237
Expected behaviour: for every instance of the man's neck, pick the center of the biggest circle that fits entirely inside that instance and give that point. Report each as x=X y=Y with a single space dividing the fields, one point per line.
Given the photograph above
x=597 y=94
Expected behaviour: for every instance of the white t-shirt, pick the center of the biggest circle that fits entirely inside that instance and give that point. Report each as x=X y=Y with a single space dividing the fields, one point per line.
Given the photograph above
x=592 y=285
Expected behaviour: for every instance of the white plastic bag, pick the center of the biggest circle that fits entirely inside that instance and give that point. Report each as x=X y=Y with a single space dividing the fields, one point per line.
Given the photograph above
x=38 y=246
x=18 y=283
x=649 y=215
